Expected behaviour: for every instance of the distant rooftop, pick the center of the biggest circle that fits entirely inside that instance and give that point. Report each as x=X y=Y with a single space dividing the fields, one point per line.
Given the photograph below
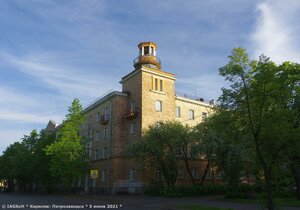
x=195 y=97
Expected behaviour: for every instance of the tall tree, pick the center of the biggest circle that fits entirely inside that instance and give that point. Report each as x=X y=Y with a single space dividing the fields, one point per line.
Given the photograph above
x=258 y=101
x=67 y=152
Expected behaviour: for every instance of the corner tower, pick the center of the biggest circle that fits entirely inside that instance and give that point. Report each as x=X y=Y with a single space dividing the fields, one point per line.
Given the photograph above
x=150 y=89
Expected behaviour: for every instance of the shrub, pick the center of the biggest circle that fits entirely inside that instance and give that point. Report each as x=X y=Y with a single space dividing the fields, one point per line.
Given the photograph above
x=183 y=190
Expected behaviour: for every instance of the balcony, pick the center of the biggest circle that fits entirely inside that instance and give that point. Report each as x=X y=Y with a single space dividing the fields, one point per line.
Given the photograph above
x=147 y=59
x=131 y=113
x=104 y=119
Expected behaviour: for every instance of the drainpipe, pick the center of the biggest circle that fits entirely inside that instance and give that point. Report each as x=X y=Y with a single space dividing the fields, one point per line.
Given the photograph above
x=110 y=142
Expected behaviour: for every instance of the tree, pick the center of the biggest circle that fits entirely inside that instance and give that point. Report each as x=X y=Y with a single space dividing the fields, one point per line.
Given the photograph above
x=18 y=163
x=159 y=146
x=223 y=144
x=67 y=152
x=258 y=101
x=42 y=161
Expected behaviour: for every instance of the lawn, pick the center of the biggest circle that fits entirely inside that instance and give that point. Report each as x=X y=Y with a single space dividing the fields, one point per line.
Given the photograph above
x=293 y=202
x=198 y=207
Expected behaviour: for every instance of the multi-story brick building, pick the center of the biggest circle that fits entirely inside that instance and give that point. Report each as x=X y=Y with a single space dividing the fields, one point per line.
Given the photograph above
x=117 y=119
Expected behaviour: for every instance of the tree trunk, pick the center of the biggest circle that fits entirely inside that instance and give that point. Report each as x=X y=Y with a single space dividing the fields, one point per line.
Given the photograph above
x=270 y=203
x=187 y=166
x=205 y=172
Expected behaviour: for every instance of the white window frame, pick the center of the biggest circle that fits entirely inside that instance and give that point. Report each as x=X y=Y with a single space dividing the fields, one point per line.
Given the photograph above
x=178 y=111
x=191 y=114
x=158 y=106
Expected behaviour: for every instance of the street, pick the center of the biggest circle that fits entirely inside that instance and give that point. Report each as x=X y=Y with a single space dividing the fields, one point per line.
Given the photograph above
x=122 y=202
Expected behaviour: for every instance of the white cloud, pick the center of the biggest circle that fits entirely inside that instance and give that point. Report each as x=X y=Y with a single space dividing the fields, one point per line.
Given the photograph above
x=277 y=29
x=40 y=118
x=68 y=82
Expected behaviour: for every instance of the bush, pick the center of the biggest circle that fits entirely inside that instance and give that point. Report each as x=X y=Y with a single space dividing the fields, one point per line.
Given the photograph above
x=183 y=190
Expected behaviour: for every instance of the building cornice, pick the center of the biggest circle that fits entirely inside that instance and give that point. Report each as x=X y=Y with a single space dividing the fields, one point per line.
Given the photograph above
x=191 y=101
x=149 y=70
x=103 y=99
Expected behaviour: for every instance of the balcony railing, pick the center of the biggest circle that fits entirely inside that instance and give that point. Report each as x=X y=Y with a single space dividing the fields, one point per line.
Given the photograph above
x=104 y=118
x=131 y=113
x=146 y=58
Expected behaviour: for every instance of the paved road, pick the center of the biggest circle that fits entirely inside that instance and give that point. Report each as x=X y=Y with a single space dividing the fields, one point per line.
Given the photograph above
x=121 y=202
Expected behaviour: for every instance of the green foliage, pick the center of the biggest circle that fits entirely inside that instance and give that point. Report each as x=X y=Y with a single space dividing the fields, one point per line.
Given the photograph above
x=158 y=147
x=67 y=152
x=223 y=142
x=263 y=100
x=20 y=161
x=186 y=190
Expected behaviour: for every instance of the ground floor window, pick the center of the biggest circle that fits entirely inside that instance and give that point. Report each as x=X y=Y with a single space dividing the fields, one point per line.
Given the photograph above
x=195 y=173
x=132 y=174
x=103 y=175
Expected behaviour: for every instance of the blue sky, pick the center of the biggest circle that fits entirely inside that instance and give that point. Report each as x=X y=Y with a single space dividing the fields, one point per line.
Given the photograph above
x=53 y=51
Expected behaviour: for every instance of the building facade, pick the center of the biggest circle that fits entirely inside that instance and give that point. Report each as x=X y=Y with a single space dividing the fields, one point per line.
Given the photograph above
x=117 y=119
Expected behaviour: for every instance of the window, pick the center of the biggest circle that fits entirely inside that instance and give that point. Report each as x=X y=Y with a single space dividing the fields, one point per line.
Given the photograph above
x=91 y=120
x=89 y=149
x=98 y=117
x=195 y=173
x=132 y=174
x=90 y=133
x=104 y=153
x=103 y=175
x=158 y=175
x=96 y=154
x=105 y=133
x=178 y=111
x=158 y=106
x=180 y=173
x=132 y=106
x=97 y=135
x=152 y=51
x=132 y=128
x=106 y=110
x=146 y=50
x=191 y=114
x=157 y=84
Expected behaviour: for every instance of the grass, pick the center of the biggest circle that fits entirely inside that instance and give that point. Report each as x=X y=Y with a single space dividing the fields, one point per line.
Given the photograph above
x=198 y=207
x=293 y=202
